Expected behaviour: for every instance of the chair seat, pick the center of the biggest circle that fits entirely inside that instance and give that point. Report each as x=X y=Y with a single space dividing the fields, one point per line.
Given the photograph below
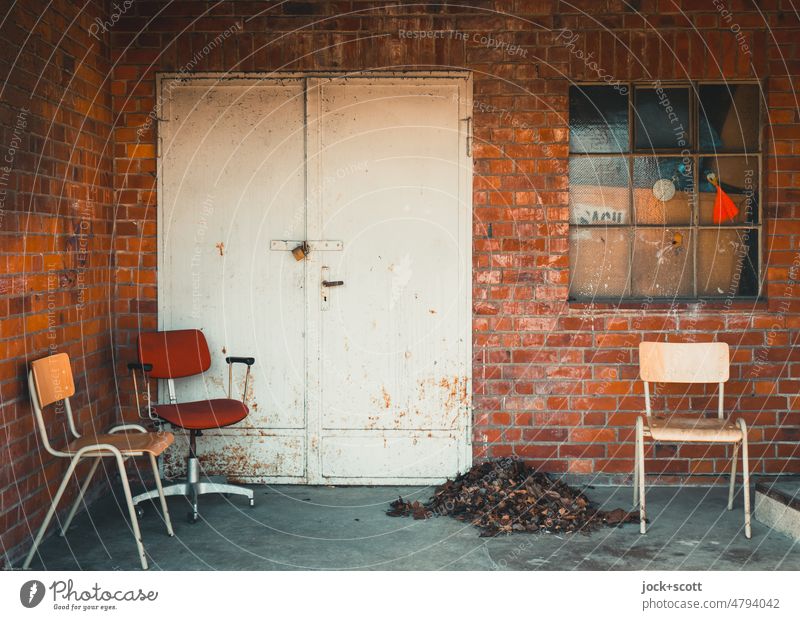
x=127 y=443
x=203 y=414
x=693 y=429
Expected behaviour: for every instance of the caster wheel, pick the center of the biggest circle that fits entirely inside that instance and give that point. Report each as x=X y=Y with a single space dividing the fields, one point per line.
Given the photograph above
x=192 y=517
x=139 y=512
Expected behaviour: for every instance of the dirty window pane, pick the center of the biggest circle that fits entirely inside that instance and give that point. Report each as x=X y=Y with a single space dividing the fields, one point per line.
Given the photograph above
x=638 y=203
x=662 y=263
x=599 y=259
x=738 y=178
x=729 y=117
x=599 y=191
x=662 y=190
x=661 y=119
x=727 y=263
x=598 y=119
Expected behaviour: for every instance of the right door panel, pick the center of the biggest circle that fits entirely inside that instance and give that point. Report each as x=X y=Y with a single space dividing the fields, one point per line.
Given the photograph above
x=393 y=381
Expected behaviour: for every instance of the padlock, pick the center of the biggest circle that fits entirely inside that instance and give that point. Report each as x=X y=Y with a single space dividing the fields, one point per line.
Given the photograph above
x=300 y=252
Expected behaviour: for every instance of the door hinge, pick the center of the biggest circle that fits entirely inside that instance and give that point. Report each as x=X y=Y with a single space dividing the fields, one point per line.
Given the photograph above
x=468 y=120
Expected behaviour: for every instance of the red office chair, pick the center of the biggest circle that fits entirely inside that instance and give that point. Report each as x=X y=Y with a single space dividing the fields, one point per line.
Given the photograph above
x=171 y=355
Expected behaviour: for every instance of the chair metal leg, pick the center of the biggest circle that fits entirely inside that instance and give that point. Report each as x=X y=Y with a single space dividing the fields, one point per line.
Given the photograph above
x=745 y=479
x=192 y=480
x=132 y=511
x=78 y=499
x=220 y=487
x=640 y=458
x=170 y=490
x=192 y=489
x=636 y=476
x=732 y=486
x=161 y=496
x=49 y=516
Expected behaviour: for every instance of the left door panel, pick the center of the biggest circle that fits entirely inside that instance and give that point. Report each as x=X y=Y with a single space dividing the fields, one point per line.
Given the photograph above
x=231 y=179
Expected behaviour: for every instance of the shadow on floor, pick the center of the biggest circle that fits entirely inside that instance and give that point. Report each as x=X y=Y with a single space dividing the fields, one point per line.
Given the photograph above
x=297 y=527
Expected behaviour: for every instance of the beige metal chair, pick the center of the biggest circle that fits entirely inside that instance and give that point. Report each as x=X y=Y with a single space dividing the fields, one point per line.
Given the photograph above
x=50 y=381
x=669 y=362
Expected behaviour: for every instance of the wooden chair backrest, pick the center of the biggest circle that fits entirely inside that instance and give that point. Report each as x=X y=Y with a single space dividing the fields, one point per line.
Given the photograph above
x=52 y=377
x=684 y=362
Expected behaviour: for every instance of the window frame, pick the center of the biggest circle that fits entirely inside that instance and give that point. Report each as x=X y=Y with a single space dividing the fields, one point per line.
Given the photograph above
x=696 y=155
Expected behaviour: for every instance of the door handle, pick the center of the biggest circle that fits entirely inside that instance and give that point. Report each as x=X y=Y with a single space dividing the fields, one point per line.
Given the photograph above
x=329 y=284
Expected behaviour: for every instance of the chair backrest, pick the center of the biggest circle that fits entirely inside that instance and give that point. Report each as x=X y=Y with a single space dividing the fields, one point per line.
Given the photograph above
x=684 y=362
x=175 y=354
x=50 y=380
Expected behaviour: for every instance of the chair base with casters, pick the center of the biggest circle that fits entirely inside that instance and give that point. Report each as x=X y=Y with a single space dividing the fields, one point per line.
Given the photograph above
x=184 y=353
x=50 y=380
x=193 y=487
x=688 y=363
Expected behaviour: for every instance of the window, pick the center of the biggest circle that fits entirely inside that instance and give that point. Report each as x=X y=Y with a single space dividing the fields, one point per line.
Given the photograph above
x=664 y=191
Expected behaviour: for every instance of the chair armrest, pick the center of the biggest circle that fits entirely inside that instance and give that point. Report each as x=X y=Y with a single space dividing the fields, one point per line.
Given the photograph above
x=126 y=427
x=241 y=360
x=145 y=368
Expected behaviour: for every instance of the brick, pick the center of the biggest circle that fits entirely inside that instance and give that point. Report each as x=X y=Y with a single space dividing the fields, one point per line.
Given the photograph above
x=592 y=435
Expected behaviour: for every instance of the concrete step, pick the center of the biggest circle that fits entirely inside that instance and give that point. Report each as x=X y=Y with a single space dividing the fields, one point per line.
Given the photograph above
x=777 y=505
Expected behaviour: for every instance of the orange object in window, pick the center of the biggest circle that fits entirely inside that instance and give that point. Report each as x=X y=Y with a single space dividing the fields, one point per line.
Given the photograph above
x=724 y=208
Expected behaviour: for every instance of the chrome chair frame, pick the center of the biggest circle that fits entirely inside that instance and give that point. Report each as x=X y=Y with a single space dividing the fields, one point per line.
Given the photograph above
x=192 y=488
x=97 y=451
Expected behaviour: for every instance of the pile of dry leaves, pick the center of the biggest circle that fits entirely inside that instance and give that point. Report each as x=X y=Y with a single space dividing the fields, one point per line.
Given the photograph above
x=506 y=495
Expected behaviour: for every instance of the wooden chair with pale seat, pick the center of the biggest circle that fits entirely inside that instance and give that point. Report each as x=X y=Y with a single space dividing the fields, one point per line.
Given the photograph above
x=51 y=382
x=670 y=362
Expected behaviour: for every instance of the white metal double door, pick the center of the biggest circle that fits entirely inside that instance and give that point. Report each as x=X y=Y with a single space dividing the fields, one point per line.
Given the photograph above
x=362 y=382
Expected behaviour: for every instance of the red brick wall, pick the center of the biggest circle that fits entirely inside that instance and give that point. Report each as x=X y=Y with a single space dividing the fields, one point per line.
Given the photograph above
x=555 y=383
x=55 y=239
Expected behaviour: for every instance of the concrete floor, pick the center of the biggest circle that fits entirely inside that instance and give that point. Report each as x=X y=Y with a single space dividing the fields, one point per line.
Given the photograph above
x=295 y=527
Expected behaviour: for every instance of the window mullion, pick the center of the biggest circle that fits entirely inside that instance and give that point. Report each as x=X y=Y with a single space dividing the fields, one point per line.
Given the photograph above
x=695 y=220
x=631 y=233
